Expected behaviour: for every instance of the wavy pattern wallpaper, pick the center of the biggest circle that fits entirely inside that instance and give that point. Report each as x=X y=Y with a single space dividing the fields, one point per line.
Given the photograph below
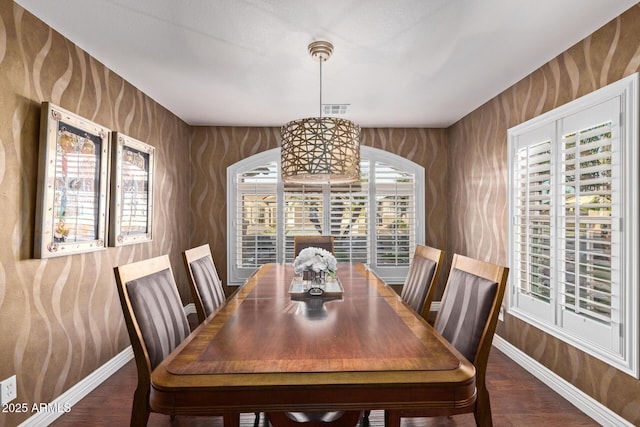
x=478 y=189
x=61 y=317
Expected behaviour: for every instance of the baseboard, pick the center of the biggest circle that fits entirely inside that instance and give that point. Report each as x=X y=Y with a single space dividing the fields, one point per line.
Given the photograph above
x=190 y=309
x=578 y=398
x=75 y=394
x=66 y=400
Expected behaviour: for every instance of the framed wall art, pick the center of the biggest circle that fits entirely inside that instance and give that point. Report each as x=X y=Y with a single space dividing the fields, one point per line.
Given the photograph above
x=133 y=164
x=72 y=193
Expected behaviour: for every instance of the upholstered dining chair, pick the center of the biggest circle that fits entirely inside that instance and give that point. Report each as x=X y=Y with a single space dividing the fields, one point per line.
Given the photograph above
x=155 y=320
x=301 y=242
x=420 y=284
x=205 y=284
x=206 y=287
x=467 y=319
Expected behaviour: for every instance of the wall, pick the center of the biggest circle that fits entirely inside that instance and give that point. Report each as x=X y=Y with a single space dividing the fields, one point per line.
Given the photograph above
x=478 y=176
x=224 y=146
x=60 y=319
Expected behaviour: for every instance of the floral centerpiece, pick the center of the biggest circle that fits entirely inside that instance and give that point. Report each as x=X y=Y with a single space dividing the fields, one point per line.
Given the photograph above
x=315 y=263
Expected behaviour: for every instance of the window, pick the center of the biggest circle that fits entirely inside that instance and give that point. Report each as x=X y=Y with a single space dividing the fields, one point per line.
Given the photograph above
x=376 y=221
x=573 y=237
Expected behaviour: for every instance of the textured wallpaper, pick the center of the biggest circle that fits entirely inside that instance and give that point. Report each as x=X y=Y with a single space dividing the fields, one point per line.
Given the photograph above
x=478 y=189
x=60 y=319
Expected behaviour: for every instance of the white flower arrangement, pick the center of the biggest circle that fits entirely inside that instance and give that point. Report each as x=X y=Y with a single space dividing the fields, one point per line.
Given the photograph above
x=315 y=259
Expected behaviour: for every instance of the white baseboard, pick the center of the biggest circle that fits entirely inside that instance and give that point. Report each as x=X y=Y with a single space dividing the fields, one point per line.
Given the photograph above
x=578 y=398
x=66 y=400
x=75 y=394
x=190 y=309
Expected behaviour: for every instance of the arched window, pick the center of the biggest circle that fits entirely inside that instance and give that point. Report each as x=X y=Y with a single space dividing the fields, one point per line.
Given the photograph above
x=377 y=221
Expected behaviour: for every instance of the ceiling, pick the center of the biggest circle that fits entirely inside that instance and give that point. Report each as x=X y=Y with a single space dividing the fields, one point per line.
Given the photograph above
x=396 y=63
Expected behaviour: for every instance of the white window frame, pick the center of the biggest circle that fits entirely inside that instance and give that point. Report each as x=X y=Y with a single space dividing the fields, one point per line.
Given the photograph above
x=551 y=318
x=237 y=276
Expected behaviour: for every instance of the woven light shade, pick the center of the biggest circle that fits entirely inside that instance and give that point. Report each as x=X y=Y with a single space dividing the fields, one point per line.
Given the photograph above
x=320 y=150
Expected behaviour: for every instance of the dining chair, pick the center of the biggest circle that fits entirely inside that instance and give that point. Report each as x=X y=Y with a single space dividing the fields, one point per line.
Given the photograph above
x=467 y=318
x=420 y=284
x=155 y=321
x=303 y=241
x=206 y=286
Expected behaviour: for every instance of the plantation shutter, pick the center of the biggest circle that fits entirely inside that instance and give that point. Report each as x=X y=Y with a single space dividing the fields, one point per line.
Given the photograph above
x=532 y=221
x=349 y=212
x=395 y=218
x=264 y=214
x=589 y=218
x=587 y=204
x=572 y=195
x=256 y=217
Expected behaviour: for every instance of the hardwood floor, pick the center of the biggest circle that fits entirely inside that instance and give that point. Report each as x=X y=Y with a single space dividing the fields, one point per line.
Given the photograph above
x=517 y=399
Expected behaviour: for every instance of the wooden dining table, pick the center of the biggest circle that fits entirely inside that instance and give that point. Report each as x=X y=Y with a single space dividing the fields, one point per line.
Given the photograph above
x=269 y=350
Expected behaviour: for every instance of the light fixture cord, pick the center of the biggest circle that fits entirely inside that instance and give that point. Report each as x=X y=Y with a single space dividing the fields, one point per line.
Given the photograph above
x=321 y=61
x=321 y=128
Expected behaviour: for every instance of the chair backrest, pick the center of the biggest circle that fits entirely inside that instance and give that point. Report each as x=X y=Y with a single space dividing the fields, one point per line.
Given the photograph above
x=420 y=284
x=469 y=308
x=206 y=286
x=153 y=311
x=301 y=242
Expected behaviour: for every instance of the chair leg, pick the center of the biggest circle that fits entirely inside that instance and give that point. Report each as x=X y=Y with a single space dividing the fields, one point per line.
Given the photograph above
x=392 y=418
x=350 y=418
x=365 y=418
x=482 y=412
x=231 y=420
x=140 y=410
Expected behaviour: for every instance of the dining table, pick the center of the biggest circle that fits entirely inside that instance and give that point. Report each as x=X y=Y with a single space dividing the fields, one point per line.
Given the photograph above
x=274 y=348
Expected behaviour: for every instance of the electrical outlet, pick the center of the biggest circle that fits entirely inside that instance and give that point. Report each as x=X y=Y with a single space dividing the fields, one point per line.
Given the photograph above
x=8 y=390
x=501 y=314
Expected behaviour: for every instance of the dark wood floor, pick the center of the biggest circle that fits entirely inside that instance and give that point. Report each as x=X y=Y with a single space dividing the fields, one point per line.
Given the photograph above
x=517 y=399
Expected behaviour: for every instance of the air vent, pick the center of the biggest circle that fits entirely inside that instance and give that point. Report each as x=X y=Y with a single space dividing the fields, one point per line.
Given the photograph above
x=334 y=108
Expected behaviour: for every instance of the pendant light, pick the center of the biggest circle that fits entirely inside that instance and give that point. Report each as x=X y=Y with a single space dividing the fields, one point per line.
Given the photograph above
x=320 y=150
